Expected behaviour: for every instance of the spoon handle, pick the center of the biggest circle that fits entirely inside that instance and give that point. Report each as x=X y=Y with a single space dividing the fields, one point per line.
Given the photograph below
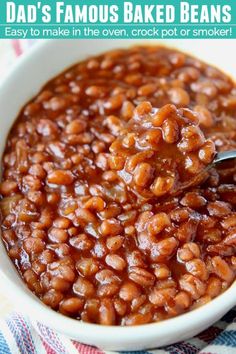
x=225 y=155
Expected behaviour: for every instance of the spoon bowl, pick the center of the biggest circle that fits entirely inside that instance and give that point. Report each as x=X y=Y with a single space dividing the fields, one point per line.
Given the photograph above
x=203 y=175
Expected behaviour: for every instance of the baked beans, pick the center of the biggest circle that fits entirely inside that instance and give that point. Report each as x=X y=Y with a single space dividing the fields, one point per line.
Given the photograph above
x=93 y=214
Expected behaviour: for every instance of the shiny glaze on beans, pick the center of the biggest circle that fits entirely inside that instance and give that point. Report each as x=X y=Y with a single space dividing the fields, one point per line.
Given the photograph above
x=82 y=240
x=161 y=152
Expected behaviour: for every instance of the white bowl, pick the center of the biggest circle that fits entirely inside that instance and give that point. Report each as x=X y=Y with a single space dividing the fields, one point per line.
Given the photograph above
x=26 y=78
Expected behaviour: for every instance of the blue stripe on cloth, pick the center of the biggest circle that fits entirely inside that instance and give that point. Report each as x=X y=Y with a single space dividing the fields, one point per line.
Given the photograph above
x=182 y=348
x=51 y=338
x=22 y=321
x=4 y=349
x=227 y=338
x=19 y=330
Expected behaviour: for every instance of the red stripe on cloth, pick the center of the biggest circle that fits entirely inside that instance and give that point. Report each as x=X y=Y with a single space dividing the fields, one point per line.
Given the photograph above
x=47 y=347
x=209 y=334
x=51 y=338
x=17 y=47
x=86 y=349
x=27 y=332
x=21 y=332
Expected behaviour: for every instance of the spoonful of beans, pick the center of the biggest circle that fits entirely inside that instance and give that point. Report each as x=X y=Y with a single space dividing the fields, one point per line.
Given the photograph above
x=163 y=151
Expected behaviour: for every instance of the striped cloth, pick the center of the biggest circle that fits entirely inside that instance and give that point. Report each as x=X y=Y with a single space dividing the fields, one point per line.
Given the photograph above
x=18 y=336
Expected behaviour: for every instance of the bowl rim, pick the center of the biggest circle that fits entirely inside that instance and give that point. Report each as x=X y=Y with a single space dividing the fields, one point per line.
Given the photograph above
x=42 y=313
x=34 y=306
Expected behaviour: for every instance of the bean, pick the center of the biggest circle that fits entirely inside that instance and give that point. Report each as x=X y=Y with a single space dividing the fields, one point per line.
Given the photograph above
x=60 y=284
x=229 y=221
x=114 y=102
x=46 y=127
x=114 y=243
x=164 y=249
x=161 y=297
x=193 y=200
x=62 y=223
x=204 y=86
x=170 y=131
x=137 y=319
x=95 y=203
x=71 y=305
x=116 y=262
x=8 y=187
x=143 y=174
x=146 y=90
x=182 y=299
x=87 y=266
x=162 y=186
x=110 y=227
x=58 y=235
x=158 y=223
x=192 y=139
x=76 y=126
x=81 y=242
x=129 y=291
x=107 y=276
x=207 y=152
x=218 y=208
x=161 y=271
x=53 y=298
x=205 y=116
x=107 y=290
x=141 y=276
x=222 y=269
x=120 y=307
x=83 y=287
x=192 y=285
x=60 y=177
x=214 y=287
x=193 y=164
x=198 y=268
x=107 y=315
x=189 y=251
x=127 y=110
x=162 y=114
x=179 y=96
x=34 y=245
x=143 y=108
x=187 y=231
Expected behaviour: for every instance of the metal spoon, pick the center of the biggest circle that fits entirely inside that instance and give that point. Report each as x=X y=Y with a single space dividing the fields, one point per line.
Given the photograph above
x=223 y=156
x=202 y=176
